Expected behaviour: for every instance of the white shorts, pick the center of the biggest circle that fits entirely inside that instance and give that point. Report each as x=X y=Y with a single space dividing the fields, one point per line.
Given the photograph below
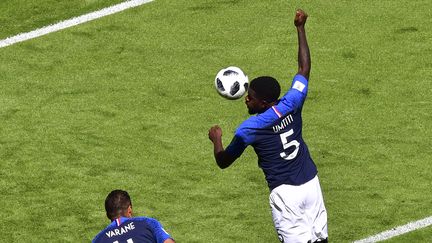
x=299 y=214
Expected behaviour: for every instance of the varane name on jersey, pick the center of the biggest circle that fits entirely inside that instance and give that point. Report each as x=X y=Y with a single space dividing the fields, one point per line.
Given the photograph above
x=130 y=230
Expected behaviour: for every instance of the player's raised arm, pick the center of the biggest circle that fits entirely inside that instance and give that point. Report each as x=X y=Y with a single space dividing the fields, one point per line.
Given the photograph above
x=304 y=60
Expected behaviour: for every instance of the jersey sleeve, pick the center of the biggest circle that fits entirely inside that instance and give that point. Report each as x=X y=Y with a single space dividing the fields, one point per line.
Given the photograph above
x=294 y=98
x=236 y=147
x=160 y=234
x=242 y=138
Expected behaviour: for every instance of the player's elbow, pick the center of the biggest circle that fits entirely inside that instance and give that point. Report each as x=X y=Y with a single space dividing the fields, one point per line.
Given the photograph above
x=304 y=70
x=223 y=160
x=222 y=164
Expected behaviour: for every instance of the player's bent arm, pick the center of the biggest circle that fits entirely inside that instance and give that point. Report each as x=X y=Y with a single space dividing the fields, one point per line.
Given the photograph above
x=169 y=241
x=223 y=159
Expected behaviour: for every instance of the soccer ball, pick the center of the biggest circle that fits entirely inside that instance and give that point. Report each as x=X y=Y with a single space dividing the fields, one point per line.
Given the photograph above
x=231 y=83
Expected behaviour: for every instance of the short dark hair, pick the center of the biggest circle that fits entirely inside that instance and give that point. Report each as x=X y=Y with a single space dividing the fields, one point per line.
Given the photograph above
x=266 y=88
x=116 y=203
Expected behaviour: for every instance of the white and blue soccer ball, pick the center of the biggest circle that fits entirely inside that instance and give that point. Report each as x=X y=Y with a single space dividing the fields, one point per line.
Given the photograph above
x=231 y=83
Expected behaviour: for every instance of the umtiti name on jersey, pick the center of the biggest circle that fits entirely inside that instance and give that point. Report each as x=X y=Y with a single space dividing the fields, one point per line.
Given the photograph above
x=284 y=123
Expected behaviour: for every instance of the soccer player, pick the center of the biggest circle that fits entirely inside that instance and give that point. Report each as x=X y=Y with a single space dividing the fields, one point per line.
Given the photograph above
x=275 y=133
x=127 y=229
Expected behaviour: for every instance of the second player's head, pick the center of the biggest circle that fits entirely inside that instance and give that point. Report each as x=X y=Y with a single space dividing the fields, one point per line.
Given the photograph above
x=263 y=92
x=117 y=204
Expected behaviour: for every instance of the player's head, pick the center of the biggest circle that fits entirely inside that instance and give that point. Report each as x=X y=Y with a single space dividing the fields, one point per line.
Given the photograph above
x=263 y=92
x=117 y=204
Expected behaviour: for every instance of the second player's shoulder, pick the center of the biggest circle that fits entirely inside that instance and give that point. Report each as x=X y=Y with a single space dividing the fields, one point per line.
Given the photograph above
x=100 y=236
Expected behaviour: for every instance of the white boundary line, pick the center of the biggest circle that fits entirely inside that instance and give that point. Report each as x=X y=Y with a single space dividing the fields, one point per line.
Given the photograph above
x=72 y=22
x=398 y=231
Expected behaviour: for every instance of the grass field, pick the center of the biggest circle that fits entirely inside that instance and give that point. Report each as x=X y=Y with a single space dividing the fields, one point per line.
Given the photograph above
x=126 y=102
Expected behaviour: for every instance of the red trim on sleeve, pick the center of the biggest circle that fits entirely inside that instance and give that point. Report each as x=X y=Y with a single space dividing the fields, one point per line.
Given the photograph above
x=277 y=112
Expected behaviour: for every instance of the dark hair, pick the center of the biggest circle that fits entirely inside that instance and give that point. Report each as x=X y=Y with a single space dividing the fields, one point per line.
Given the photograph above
x=266 y=88
x=116 y=204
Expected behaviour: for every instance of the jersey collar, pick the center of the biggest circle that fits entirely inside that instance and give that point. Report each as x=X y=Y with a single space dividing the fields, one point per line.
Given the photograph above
x=118 y=221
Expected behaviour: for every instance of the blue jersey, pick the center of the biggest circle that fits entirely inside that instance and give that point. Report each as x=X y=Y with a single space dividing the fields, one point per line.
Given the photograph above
x=130 y=230
x=276 y=136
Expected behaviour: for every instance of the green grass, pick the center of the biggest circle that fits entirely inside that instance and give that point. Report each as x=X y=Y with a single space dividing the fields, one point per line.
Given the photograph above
x=126 y=102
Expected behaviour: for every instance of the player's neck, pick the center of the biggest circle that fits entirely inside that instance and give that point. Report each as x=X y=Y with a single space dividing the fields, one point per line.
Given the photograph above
x=266 y=107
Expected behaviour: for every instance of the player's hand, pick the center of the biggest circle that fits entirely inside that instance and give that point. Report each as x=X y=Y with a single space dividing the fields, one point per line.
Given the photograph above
x=300 y=18
x=215 y=133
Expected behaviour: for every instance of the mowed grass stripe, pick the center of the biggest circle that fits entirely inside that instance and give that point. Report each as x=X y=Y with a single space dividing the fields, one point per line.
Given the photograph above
x=72 y=22
x=400 y=230
x=21 y=16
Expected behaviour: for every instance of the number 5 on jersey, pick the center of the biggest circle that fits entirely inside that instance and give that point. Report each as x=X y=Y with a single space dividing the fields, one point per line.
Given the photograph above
x=128 y=241
x=286 y=144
